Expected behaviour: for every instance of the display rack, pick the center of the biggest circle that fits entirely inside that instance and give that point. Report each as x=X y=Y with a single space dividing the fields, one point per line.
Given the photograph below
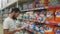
x=36 y=7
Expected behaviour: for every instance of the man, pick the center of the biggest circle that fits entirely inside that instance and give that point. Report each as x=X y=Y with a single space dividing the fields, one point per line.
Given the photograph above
x=9 y=24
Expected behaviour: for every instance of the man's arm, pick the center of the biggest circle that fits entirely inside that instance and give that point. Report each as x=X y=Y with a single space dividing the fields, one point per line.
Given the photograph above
x=6 y=31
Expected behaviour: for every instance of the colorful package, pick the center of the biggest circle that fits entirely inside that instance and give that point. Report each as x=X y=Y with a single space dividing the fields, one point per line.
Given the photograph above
x=49 y=29
x=50 y=17
x=57 y=30
x=42 y=30
x=57 y=17
x=25 y=6
x=31 y=6
x=53 y=2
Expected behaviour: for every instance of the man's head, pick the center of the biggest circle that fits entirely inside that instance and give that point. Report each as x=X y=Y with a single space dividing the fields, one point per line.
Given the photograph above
x=14 y=12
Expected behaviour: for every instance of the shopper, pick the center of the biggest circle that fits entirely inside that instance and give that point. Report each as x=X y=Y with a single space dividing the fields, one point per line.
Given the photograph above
x=9 y=24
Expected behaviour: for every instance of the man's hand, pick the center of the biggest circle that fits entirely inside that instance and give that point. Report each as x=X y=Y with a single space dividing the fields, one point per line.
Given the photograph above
x=18 y=29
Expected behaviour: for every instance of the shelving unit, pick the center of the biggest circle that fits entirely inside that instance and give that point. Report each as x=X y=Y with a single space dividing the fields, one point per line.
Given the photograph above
x=20 y=3
x=35 y=9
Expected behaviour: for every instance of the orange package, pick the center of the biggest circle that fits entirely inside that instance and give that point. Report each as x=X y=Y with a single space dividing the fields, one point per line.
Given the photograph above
x=57 y=17
x=49 y=29
x=50 y=18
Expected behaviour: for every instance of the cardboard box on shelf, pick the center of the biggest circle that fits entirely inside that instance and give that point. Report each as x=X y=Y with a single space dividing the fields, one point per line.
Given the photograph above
x=31 y=6
x=25 y=6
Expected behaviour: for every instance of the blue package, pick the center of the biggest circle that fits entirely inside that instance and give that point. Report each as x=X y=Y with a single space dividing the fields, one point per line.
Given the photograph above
x=41 y=29
x=36 y=28
x=26 y=17
x=46 y=28
x=57 y=31
x=58 y=13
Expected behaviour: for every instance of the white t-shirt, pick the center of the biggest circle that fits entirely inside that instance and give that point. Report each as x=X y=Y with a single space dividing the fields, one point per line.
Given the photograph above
x=10 y=24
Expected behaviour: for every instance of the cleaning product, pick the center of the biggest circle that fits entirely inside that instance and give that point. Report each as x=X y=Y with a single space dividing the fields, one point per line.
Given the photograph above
x=48 y=29
x=53 y=2
x=57 y=18
x=57 y=30
x=42 y=30
x=37 y=3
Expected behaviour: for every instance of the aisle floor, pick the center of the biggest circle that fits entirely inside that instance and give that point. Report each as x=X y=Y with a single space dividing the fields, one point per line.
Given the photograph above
x=1 y=28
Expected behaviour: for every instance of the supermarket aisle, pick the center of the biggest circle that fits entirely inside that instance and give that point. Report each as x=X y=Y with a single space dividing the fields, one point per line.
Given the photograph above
x=1 y=28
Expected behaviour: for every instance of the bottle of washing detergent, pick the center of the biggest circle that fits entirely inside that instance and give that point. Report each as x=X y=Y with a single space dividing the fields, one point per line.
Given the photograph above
x=57 y=31
x=42 y=30
x=36 y=28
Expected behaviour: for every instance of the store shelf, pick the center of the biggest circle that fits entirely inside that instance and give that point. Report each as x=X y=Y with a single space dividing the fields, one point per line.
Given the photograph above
x=36 y=8
x=55 y=24
x=54 y=6
x=12 y=3
x=40 y=8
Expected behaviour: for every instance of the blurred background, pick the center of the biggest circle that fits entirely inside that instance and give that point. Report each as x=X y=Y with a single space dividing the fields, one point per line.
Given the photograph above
x=30 y=6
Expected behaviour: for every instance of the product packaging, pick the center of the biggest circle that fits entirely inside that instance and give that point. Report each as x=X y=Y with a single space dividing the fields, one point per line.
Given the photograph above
x=57 y=30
